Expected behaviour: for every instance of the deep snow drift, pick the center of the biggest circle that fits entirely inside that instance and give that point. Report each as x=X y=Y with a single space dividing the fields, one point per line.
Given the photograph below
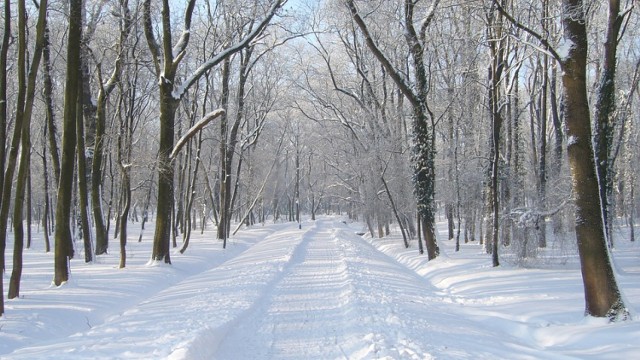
x=319 y=292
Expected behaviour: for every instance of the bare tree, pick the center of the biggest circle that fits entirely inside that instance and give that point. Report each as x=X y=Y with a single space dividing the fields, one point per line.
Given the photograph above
x=423 y=117
x=106 y=88
x=166 y=59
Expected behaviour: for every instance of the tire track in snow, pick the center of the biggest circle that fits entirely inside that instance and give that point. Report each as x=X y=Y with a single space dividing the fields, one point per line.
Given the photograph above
x=337 y=298
x=304 y=314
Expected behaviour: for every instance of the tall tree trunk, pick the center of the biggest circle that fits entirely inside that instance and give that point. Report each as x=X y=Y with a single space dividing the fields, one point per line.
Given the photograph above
x=542 y=164
x=13 y=152
x=225 y=166
x=602 y=296
x=166 y=60
x=605 y=108
x=18 y=211
x=162 y=236
x=496 y=69
x=125 y=139
x=4 y=52
x=63 y=243
x=102 y=237
x=83 y=174
x=496 y=125
x=50 y=110
x=22 y=132
x=45 y=177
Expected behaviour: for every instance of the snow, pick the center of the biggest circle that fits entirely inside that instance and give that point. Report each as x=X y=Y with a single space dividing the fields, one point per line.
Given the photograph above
x=319 y=292
x=564 y=48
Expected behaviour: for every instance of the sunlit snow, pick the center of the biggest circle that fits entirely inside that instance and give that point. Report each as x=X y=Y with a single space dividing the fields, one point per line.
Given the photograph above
x=319 y=292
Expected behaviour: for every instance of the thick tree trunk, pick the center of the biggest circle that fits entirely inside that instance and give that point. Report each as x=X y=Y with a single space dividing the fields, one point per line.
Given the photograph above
x=162 y=236
x=602 y=296
x=4 y=53
x=63 y=243
x=102 y=236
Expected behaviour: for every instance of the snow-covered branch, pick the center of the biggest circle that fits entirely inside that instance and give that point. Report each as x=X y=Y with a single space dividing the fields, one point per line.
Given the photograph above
x=194 y=130
x=217 y=59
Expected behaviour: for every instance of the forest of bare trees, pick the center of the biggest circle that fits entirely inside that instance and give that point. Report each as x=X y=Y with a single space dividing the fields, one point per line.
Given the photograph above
x=515 y=122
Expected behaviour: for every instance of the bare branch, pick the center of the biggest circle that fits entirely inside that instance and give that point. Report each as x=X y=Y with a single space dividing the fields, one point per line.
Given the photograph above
x=154 y=48
x=543 y=41
x=217 y=59
x=395 y=74
x=181 y=46
x=194 y=130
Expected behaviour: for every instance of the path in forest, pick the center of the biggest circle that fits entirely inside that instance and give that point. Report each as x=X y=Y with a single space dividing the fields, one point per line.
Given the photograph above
x=320 y=292
x=327 y=303
x=339 y=297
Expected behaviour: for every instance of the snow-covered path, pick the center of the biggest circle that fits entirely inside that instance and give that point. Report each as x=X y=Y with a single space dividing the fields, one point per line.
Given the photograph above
x=304 y=312
x=323 y=292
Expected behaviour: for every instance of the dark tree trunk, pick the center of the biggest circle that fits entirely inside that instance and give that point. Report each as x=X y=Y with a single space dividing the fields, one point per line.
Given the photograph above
x=50 y=110
x=124 y=213
x=83 y=191
x=29 y=205
x=162 y=236
x=605 y=108
x=22 y=134
x=602 y=296
x=63 y=243
x=225 y=165
x=45 y=177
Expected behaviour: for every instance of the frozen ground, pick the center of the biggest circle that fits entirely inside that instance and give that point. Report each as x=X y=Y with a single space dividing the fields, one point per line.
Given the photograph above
x=319 y=292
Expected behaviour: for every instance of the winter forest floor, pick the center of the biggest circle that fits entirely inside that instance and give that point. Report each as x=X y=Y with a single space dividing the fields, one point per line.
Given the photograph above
x=319 y=292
